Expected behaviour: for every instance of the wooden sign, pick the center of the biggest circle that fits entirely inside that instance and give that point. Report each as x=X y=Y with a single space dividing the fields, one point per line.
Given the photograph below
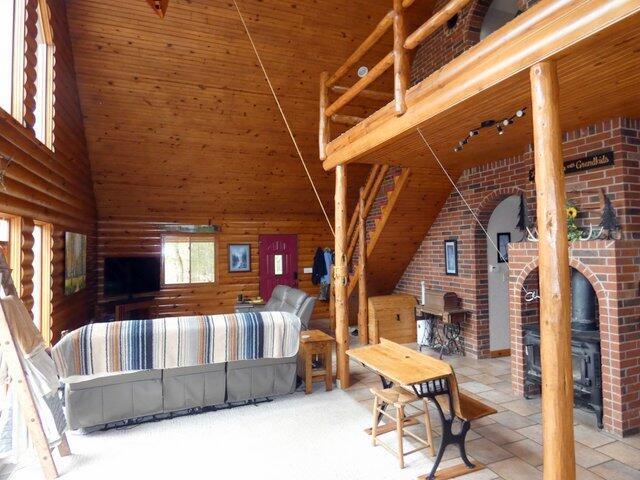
x=594 y=160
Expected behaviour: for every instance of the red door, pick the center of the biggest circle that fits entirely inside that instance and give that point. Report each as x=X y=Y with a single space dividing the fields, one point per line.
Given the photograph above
x=278 y=262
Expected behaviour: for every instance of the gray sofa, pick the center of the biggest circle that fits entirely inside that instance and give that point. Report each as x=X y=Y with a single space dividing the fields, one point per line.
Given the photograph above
x=286 y=299
x=111 y=399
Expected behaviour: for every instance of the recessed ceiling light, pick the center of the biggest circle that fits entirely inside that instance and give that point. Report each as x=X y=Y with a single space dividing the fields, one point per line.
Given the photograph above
x=362 y=71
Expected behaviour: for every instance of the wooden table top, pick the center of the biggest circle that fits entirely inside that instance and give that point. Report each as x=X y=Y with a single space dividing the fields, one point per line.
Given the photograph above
x=310 y=336
x=400 y=364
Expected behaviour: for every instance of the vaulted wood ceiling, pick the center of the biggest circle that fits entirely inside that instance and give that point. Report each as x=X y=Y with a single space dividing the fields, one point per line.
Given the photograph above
x=179 y=120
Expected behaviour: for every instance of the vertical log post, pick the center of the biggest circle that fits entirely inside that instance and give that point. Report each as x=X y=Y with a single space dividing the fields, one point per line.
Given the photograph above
x=363 y=314
x=332 y=303
x=324 y=132
x=400 y=58
x=340 y=278
x=555 y=299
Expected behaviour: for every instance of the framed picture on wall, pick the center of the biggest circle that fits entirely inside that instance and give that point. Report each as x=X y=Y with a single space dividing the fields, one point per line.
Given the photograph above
x=239 y=257
x=451 y=257
x=504 y=239
x=75 y=262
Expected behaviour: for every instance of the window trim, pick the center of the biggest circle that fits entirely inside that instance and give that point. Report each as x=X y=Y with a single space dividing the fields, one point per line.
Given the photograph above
x=211 y=237
x=46 y=271
x=44 y=21
x=15 y=248
x=18 y=49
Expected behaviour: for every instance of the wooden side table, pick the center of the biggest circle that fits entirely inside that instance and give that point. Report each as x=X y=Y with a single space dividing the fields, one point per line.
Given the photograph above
x=315 y=342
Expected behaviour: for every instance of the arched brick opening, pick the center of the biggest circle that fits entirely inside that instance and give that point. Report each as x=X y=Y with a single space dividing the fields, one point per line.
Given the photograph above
x=478 y=341
x=526 y=313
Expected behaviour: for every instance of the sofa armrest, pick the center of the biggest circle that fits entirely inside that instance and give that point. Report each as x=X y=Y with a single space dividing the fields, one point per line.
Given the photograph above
x=305 y=312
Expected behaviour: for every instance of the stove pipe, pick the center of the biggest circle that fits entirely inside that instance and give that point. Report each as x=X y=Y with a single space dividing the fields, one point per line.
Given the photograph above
x=583 y=303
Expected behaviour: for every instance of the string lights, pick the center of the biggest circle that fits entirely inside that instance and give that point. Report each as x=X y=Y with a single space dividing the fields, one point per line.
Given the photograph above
x=500 y=127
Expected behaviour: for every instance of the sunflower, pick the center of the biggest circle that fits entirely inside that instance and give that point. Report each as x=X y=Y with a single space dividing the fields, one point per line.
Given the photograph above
x=572 y=212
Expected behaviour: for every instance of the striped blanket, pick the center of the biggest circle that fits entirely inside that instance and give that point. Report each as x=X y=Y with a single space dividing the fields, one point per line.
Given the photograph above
x=176 y=342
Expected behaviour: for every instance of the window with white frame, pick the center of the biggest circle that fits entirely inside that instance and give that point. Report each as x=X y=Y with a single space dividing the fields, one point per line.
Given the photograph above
x=42 y=255
x=43 y=125
x=6 y=54
x=189 y=259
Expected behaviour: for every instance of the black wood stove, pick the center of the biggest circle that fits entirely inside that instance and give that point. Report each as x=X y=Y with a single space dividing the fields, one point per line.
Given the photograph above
x=585 y=349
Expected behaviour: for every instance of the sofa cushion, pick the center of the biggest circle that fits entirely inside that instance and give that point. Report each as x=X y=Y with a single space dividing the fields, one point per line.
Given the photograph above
x=293 y=300
x=277 y=300
x=80 y=382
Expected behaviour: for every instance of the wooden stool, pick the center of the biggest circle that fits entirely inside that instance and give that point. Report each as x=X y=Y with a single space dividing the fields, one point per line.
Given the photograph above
x=315 y=342
x=399 y=398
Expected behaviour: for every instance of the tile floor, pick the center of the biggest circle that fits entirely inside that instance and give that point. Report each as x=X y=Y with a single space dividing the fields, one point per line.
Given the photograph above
x=509 y=443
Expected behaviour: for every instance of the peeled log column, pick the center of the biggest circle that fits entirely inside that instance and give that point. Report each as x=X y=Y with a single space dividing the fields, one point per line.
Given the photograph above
x=340 y=278
x=363 y=315
x=400 y=59
x=555 y=299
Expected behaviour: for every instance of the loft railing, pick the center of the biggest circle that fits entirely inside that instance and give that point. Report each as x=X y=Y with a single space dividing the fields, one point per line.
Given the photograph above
x=398 y=57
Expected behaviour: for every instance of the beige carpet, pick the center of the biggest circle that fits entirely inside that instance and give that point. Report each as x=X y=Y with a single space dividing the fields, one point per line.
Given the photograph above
x=319 y=436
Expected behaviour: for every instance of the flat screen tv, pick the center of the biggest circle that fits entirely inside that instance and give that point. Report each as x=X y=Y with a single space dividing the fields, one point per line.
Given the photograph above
x=131 y=275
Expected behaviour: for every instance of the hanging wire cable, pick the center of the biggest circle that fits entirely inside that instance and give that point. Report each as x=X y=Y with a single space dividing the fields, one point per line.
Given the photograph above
x=284 y=118
x=529 y=296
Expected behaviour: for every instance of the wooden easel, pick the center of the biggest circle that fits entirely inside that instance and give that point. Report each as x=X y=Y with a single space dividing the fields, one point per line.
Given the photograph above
x=24 y=393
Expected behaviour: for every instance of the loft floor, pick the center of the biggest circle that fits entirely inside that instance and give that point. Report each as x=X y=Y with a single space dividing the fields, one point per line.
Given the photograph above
x=598 y=68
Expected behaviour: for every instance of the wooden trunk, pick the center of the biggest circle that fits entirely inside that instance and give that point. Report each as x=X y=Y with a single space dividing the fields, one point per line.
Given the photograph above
x=392 y=317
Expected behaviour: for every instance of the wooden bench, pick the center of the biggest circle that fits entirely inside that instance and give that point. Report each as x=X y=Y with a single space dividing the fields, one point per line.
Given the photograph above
x=465 y=408
x=433 y=379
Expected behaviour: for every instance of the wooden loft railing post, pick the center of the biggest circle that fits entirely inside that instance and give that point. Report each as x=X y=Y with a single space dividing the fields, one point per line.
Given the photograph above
x=400 y=58
x=363 y=317
x=555 y=329
x=340 y=278
x=325 y=130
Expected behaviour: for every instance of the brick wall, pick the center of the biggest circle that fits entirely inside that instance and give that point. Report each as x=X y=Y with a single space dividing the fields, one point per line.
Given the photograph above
x=451 y=40
x=484 y=187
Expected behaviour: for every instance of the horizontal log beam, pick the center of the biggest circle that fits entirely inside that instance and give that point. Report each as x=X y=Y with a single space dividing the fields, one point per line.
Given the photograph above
x=364 y=47
x=361 y=84
x=346 y=119
x=370 y=94
x=434 y=23
x=528 y=39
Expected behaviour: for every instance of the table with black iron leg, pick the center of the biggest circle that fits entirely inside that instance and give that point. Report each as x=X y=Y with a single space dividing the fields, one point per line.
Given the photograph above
x=429 y=378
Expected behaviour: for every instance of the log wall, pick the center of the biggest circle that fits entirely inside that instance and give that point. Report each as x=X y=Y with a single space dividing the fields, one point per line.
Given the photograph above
x=136 y=236
x=55 y=188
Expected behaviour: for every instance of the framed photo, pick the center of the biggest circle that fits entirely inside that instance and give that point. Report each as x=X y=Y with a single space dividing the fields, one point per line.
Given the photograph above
x=504 y=239
x=75 y=262
x=451 y=257
x=239 y=257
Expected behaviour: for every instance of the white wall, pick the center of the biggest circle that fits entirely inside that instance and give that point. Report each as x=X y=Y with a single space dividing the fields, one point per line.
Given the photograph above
x=503 y=219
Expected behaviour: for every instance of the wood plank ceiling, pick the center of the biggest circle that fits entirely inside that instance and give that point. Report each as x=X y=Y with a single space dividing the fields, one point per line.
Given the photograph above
x=179 y=120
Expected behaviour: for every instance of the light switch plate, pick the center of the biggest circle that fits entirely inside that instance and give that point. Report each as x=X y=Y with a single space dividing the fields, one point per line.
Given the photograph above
x=308 y=270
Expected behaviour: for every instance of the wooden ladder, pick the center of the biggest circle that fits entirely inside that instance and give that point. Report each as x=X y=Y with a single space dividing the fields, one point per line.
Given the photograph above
x=19 y=379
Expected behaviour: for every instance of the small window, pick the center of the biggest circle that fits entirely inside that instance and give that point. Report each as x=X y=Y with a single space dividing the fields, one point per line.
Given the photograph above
x=189 y=259
x=10 y=245
x=42 y=255
x=12 y=25
x=6 y=54
x=43 y=113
